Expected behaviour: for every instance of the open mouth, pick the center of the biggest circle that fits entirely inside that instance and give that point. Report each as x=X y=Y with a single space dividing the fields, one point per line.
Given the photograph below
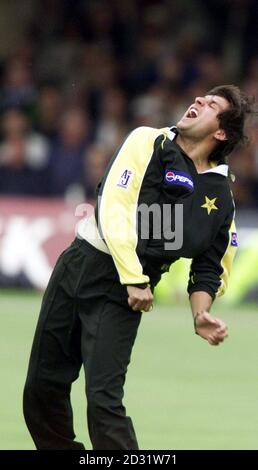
x=192 y=113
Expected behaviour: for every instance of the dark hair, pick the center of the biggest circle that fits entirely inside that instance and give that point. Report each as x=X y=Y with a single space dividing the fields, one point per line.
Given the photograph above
x=232 y=121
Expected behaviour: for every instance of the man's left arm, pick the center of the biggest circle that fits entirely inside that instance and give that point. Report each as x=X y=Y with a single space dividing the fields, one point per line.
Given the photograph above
x=208 y=279
x=214 y=330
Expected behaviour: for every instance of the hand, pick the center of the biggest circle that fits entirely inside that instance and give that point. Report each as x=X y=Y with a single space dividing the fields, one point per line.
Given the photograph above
x=140 y=299
x=212 y=329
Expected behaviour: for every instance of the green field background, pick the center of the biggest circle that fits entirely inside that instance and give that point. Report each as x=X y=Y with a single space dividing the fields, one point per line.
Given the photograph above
x=180 y=392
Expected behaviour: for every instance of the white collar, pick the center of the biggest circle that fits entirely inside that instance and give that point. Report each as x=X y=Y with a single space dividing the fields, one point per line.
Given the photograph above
x=220 y=170
x=172 y=133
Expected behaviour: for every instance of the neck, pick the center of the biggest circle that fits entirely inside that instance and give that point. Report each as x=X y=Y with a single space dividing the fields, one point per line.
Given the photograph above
x=197 y=151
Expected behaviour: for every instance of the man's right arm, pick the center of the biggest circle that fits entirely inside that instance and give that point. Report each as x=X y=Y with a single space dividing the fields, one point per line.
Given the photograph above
x=117 y=210
x=140 y=299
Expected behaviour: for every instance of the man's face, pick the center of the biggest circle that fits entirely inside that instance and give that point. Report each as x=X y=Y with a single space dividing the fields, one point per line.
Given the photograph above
x=200 y=120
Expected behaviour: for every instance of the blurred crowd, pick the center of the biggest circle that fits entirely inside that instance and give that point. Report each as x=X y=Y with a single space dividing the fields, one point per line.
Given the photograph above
x=79 y=75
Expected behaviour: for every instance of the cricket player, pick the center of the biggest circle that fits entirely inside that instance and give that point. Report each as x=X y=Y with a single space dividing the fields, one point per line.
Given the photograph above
x=165 y=195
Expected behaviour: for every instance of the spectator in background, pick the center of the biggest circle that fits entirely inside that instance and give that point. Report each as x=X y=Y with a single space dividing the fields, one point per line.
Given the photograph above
x=49 y=110
x=149 y=109
x=113 y=122
x=66 y=161
x=23 y=157
x=97 y=69
x=18 y=88
x=246 y=173
x=95 y=161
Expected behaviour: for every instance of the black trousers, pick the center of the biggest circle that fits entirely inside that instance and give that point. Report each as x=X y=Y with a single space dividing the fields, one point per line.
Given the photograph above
x=84 y=319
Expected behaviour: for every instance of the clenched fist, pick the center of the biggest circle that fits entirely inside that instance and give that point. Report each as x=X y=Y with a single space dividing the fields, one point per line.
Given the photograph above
x=140 y=299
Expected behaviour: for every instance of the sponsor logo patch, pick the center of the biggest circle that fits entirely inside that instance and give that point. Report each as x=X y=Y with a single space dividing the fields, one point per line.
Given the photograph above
x=125 y=179
x=234 y=239
x=179 y=178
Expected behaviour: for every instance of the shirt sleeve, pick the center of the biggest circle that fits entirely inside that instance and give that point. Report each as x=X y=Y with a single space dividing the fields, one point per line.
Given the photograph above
x=117 y=207
x=210 y=271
